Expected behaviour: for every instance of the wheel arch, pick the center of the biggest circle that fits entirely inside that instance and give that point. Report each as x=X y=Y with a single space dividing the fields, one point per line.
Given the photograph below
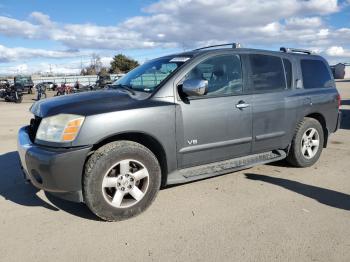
x=144 y=139
x=322 y=120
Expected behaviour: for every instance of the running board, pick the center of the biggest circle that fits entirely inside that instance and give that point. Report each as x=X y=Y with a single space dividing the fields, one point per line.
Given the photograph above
x=223 y=167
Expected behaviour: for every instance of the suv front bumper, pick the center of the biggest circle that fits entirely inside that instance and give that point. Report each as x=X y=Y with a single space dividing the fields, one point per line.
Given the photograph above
x=56 y=170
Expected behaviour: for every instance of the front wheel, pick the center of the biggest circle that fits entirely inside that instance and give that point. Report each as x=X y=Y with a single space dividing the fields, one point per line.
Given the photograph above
x=121 y=180
x=307 y=143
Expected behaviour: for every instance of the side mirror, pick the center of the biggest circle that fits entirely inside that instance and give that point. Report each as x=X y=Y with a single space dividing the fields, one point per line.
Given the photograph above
x=195 y=87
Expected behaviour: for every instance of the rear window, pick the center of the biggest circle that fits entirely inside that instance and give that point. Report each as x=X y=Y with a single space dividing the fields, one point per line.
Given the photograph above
x=315 y=74
x=267 y=73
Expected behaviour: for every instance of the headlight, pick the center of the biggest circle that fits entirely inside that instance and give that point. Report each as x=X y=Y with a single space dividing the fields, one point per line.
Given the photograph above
x=60 y=128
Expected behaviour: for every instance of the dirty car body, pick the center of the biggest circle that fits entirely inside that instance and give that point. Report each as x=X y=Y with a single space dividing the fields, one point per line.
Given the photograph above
x=193 y=135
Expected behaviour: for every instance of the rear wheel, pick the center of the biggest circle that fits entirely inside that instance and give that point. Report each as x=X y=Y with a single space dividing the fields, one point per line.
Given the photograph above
x=121 y=180
x=307 y=143
x=19 y=99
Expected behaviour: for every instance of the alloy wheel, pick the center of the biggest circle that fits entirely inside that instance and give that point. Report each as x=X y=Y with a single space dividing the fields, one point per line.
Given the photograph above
x=310 y=143
x=125 y=183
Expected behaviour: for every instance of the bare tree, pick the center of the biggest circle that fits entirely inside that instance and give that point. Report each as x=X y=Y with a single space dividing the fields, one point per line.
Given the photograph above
x=95 y=66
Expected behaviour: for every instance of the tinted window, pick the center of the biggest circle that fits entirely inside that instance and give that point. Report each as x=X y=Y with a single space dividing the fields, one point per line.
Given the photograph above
x=266 y=73
x=315 y=74
x=224 y=74
x=288 y=70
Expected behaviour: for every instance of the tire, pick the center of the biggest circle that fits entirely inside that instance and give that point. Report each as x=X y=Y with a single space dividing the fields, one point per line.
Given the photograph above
x=19 y=100
x=104 y=180
x=308 y=132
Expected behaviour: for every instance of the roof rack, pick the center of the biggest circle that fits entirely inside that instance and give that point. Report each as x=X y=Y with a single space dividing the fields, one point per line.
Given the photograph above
x=233 y=45
x=296 y=50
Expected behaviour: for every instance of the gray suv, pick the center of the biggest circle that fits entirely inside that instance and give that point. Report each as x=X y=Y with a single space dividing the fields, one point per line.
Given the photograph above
x=180 y=118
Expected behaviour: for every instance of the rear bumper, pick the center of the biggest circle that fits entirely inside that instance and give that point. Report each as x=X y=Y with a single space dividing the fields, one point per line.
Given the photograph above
x=55 y=170
x=338 y=121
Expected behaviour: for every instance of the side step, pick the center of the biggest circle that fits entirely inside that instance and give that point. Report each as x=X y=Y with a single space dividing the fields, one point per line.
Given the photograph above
x=214 y=169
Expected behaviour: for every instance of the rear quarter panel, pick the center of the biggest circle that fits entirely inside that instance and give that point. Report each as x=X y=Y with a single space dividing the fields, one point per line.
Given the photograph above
x=318 y=100
x=323 y=101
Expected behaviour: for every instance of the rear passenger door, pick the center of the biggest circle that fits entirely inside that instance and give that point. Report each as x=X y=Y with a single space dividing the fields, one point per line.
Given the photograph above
x=274 y=107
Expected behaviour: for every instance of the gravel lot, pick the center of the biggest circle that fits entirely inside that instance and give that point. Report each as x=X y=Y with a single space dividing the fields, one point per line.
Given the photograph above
x=267 y=213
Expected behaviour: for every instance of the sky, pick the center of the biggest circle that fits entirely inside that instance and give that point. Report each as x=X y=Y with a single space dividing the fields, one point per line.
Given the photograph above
x=61 y=36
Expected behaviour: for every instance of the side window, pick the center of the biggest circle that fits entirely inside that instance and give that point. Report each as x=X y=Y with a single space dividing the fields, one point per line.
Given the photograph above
x=224 y=75
x=288 y=70
x=315 y=74
x=267 y=73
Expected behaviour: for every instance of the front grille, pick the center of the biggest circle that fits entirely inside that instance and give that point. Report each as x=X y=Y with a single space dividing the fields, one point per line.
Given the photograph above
x=33 y=127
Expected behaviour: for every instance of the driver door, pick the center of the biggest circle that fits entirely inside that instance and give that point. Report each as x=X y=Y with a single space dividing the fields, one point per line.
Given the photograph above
x=214 y=127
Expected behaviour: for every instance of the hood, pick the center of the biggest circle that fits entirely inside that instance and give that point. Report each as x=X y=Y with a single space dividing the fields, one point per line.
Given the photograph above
x=85 y=104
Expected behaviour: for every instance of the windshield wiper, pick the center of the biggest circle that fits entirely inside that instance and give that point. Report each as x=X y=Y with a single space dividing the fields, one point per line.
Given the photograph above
x=124 y=87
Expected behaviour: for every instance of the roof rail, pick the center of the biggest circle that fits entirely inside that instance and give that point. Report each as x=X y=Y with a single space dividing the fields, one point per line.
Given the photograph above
x=296 y=50
x=233 y=45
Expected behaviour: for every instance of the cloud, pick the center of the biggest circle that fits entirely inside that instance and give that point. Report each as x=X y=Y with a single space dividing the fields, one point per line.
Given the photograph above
x=61 y=61
x=70 y=66
x=250 y=22
x=189 y=23
x=174 y=23
x=41 y=19
x=43 y=68
x=303 y=22
x=20 y=53
x=14 y=27
x=338 y=51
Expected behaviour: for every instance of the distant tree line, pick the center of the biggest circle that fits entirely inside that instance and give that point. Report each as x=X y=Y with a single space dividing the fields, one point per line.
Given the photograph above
x=120 y=64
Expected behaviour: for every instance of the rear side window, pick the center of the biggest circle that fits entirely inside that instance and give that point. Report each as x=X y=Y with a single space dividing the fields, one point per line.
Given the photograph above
x=315 y=74
x=267 y=73
x=288 y=69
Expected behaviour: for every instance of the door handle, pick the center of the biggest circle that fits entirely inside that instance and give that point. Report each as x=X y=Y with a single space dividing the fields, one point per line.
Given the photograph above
x=242 y=105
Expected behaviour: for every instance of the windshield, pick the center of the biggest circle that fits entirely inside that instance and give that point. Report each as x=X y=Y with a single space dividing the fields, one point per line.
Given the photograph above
x=22 y=79
x=148 y=76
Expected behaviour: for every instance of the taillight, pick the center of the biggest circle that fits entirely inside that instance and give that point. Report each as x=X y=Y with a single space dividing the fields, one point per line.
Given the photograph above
x=339 y=101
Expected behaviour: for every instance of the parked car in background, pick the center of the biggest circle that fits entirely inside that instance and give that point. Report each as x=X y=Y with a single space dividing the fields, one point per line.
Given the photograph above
x=25 y=83
x=177 y=119
x=102 y=81
x=10 y=93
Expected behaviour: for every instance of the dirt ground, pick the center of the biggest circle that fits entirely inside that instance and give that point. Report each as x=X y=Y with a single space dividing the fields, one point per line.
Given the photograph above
x=266 y=213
